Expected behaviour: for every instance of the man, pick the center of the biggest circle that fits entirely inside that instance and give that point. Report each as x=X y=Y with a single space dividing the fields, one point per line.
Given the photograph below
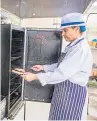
x=70 y=75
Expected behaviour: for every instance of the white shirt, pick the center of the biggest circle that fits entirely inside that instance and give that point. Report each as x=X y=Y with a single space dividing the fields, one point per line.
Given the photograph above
x=75 y=67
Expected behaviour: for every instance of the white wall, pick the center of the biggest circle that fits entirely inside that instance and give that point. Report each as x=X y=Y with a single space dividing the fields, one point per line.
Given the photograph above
x=48 y=22
x=91 y=20
x=41 y=22
x=92 y=33
x=94 y=53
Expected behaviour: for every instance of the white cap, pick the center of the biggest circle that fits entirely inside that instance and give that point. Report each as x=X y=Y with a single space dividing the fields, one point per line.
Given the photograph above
x=72 y=19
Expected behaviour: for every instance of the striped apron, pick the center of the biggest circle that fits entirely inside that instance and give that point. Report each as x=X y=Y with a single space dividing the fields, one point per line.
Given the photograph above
x=68 y=100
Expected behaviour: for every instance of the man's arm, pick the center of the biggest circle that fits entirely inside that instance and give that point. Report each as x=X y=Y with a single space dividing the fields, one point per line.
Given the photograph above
x=50 y=67
x=67 y=68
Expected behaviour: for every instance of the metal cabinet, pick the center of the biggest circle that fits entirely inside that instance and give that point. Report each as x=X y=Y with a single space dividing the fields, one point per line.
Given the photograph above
x=23 y=48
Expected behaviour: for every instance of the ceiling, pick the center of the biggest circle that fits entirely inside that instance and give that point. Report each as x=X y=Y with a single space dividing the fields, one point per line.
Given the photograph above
x=44 y=8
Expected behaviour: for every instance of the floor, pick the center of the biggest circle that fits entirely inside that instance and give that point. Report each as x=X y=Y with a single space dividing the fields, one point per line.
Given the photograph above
x=92 y=118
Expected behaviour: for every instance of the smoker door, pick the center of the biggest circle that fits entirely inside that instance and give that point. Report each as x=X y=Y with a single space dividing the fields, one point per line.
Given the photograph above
x=43 y=47
x=5 y=58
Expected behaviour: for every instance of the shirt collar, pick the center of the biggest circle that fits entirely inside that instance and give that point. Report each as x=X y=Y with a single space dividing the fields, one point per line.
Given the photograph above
x=75 y=41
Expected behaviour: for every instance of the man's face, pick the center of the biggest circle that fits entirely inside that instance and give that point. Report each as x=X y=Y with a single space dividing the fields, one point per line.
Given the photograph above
x=70 y=33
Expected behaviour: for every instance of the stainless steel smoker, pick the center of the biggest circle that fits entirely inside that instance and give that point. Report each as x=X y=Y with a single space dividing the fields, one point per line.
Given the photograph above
x=23 y=48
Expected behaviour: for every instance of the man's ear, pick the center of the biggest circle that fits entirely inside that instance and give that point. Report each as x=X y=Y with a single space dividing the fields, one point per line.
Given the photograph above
x=77 y=28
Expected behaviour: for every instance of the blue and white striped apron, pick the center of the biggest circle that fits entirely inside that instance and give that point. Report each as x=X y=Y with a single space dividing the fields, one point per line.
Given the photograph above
x=68 y=100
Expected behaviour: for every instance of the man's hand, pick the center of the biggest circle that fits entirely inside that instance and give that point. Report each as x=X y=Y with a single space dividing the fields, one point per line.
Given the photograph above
x=38 y=68
x=29 y=76
x=18 y=71
x=26 y=75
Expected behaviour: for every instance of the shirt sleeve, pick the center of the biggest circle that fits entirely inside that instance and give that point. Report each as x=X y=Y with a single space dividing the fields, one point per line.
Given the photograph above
x=67 y=68
x=50 y=67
